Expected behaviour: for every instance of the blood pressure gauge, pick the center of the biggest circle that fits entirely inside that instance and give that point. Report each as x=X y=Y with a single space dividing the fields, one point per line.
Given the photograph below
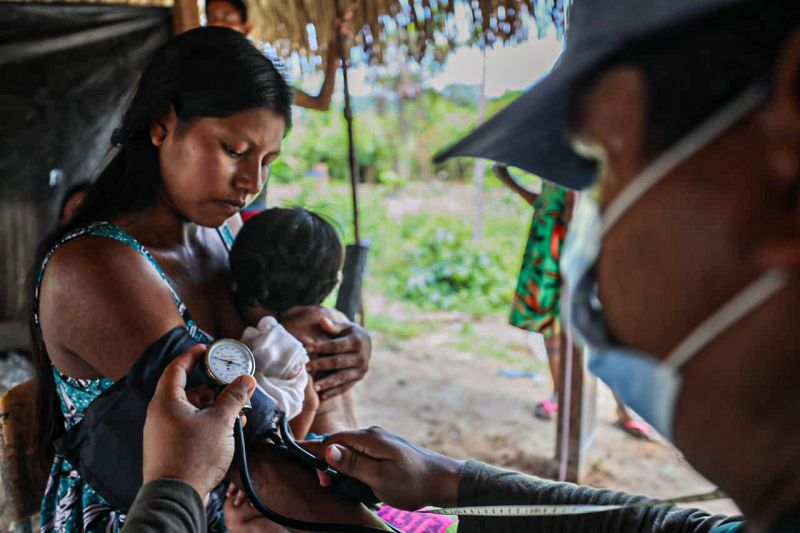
x=227 y=359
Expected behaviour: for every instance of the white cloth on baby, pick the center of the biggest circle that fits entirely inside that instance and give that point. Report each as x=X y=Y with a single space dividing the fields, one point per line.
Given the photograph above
x=280 y=364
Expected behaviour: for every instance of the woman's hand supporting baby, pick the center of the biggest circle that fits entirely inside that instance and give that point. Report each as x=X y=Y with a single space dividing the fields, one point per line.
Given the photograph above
x=346 y=355
x=339 y=350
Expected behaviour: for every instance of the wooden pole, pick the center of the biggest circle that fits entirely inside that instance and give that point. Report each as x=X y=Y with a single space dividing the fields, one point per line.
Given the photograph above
x=185 y=16
x=350 y=293
x=348 y=117
x=577 y=406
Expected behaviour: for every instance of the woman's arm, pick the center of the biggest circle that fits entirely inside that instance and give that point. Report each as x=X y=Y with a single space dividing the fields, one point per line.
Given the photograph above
x=101 y=305
x=502 y=173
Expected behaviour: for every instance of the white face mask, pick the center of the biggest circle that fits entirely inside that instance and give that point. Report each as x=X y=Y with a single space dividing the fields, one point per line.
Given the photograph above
x=649 y=386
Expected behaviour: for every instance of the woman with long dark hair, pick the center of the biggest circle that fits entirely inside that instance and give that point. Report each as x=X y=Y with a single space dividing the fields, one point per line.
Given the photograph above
x=144 y=253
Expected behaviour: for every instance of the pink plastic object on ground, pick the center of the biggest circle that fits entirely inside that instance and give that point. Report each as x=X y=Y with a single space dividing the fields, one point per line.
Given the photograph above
x=411 y=522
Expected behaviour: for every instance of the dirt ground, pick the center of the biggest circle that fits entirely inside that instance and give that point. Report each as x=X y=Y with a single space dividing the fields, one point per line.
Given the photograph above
x=433 y=389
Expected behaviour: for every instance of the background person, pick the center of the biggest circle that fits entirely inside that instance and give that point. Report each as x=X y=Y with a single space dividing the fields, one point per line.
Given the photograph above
x=233 y=14
x=537 y=301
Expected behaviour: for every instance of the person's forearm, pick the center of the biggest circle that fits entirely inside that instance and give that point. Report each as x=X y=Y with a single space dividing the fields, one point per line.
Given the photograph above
x=528 y=196
x=166 y=505
x=508 y=180
x=481 y=484
x=326 y=91
x=322 y=101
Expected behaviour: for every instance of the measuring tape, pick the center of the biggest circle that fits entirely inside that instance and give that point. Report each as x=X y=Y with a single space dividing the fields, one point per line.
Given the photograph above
x=524 y=510
x=564 y=510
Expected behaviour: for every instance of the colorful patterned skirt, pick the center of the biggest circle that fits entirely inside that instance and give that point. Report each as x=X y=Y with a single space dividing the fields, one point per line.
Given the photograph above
x=537 y=299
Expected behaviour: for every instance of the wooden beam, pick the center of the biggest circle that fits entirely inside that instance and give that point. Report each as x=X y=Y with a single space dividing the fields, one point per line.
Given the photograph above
x=14 y=336
x=577 y=416
x=185 y=15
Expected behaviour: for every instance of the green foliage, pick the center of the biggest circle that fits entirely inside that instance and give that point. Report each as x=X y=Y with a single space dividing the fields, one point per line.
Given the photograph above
x=442 y=270
x=397 y=329
x=395 y=141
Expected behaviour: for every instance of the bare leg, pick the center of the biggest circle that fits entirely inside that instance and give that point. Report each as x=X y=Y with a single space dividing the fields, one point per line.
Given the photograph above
x=553 y=347
x=631 y=424
x=545 y=409
x=623 y=414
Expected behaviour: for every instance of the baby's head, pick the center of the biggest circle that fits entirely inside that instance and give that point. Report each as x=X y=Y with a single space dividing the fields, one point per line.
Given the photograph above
x=283 y=258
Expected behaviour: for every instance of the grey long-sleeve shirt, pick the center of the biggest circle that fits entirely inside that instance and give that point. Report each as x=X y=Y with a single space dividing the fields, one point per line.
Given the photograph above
x=481 y=484
x=166 y=505
x=171 y=505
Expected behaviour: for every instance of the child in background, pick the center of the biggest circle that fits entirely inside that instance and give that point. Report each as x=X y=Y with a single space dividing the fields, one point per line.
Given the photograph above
x=283 y=259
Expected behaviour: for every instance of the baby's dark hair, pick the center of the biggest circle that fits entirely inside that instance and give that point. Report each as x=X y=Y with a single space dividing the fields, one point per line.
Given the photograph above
x=283 y=258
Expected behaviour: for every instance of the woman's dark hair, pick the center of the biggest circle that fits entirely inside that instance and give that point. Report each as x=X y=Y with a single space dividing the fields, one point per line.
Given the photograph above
x=283 y=258
x=205 y=72
x=693 y=70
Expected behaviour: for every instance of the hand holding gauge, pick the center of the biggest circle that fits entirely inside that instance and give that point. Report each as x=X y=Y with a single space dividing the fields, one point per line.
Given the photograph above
x=201 y=434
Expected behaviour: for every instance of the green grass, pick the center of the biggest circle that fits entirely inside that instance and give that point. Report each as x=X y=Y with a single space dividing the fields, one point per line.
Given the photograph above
x=398 y=329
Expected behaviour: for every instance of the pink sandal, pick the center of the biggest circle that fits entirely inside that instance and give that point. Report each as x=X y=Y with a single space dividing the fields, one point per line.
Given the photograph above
x=637 y=428
x=545 y=409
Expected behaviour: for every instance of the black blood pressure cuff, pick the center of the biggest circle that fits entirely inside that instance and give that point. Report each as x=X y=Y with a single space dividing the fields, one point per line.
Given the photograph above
x=106 y=446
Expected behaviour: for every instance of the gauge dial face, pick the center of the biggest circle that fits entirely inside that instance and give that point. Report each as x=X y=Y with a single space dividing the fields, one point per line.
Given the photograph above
x=228 y=359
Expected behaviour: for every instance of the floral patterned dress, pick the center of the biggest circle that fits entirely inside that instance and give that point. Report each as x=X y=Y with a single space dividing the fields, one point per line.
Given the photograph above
x=537 y=299
x=70 y=504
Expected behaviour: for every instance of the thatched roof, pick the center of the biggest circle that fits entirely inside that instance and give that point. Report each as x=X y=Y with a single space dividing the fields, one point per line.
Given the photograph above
x=144 y=3
x=418 y=26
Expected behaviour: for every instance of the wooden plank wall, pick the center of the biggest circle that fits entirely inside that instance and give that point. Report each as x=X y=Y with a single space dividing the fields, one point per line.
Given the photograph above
x=22 y=224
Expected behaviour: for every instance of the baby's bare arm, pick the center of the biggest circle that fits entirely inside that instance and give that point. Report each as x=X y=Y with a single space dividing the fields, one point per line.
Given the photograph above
x=301 y=424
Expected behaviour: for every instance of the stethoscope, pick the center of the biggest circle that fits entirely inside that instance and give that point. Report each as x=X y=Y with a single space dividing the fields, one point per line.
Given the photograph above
x=224 y=361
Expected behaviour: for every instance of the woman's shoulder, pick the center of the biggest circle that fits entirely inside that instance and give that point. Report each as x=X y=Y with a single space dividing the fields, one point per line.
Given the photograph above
x=93 y=259
x=101 y=300
x=100 y=277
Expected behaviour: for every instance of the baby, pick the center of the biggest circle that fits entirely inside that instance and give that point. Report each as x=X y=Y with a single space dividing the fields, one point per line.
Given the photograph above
x=283 y=259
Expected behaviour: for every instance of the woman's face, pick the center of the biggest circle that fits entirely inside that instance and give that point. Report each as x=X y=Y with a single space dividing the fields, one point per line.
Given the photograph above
x=213 y=166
